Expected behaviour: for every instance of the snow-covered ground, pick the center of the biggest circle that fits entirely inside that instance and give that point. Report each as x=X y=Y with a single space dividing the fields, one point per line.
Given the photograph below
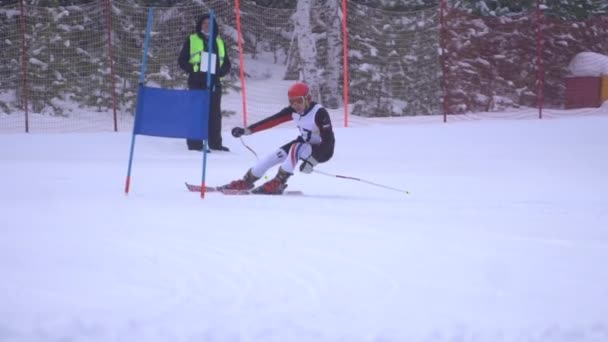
x=503 y=237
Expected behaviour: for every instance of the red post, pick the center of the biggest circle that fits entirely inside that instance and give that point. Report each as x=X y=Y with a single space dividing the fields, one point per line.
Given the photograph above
x=111 y=57
x=127 y=185
x=345 y=58
x=24 y=66
x=540 y=81
x=237 y=9
x=443 y=68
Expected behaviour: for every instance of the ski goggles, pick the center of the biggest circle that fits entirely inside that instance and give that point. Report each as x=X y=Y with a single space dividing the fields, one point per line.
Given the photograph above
x=296 y=100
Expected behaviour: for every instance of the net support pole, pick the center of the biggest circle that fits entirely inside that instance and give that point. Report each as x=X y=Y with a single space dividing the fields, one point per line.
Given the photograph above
x=111 y=60
x=443 y=30
x=24 y=66
x=345 y=58
x=540 y=81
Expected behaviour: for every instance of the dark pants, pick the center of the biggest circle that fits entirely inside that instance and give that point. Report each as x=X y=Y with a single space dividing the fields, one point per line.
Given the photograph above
x=215 y=124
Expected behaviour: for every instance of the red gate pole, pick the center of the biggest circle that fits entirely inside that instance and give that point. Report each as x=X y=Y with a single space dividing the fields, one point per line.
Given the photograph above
x=111 y=57
x=24 y=66
x=345 y=60
x=540 y=80
x=239 y=33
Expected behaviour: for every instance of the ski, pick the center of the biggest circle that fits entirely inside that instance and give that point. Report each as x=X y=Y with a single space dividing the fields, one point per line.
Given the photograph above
x=197 y=188
x=249 y=192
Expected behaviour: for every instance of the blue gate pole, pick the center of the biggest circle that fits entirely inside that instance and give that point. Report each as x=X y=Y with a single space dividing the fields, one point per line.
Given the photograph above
x=142 y=78
x=209 y=90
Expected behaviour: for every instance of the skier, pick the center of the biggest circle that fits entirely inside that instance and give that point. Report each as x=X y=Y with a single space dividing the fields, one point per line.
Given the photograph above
x=314 y=145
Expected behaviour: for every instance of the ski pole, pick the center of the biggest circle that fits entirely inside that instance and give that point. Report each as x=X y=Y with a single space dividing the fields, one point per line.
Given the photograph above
x=363 y=181
x=338 y=176
x=249 y=148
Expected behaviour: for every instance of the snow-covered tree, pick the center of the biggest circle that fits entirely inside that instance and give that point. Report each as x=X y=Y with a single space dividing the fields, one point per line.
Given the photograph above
x=64 y=66
x=10 y=47
x=318 y=38
x=333 y=66
x=307 y=45
x=575 y=10
x=394 y=64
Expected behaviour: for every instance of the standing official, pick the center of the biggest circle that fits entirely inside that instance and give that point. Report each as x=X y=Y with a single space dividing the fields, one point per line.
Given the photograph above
x=193 y=60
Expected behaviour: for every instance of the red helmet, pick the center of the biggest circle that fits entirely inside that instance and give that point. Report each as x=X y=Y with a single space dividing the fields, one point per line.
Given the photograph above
x=299 y=90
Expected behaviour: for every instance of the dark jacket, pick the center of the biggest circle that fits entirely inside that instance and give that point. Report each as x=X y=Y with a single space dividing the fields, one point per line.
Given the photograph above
x=198 y=80
x=321 y=152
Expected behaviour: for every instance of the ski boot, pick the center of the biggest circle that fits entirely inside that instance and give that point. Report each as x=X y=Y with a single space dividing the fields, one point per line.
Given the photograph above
x=275 y=186
x=245 y=183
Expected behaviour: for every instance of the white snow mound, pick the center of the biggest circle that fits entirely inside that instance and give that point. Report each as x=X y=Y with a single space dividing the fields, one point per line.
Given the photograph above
x=588 y=64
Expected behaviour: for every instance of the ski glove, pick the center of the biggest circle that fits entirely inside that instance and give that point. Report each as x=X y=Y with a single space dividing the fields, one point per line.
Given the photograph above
x=308 y=164
x=238 y=131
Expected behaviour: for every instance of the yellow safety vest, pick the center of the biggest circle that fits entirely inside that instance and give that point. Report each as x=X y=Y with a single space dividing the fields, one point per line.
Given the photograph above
x=197 y=45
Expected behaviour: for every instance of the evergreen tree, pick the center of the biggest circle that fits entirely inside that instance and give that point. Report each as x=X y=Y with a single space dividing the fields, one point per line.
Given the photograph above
x=575 y=10
x=10 y=48
x=394 y=67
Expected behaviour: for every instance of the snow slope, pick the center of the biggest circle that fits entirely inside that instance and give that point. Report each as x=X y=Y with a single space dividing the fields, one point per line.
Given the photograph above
x=504 y=237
